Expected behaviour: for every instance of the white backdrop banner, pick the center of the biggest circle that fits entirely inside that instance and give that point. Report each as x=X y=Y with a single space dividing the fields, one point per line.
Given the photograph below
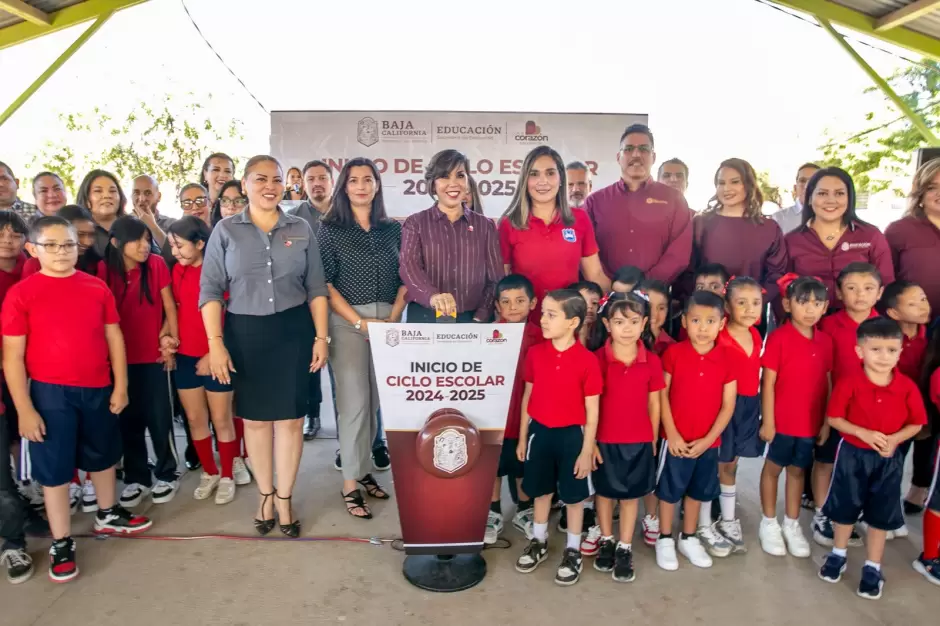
x=402 y=142
x=424 y=367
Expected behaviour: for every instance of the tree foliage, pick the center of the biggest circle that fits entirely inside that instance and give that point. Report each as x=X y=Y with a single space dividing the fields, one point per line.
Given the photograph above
x=884 y=147
x=771 y=192
x=168 y=141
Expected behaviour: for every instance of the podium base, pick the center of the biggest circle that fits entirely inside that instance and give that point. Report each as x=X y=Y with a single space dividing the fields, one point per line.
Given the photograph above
x=444 y=573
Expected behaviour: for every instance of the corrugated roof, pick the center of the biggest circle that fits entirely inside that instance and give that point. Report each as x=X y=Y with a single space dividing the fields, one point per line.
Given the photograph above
x=928 y=24
x=47 y=6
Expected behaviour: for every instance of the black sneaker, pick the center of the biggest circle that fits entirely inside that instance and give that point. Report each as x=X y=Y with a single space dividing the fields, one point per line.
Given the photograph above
x=311 y=427
x=623 y=566
x=912 y=509
x=192 y=459
x=19 y=565
x=563 y=521
x=604 y=561
x=380 y=459
x=532 y=556
x=119 y=521
x=871 y=584
x=338 y=463
x=833 y=568
x=569 y=571
x=62 y=566
x=590 y=519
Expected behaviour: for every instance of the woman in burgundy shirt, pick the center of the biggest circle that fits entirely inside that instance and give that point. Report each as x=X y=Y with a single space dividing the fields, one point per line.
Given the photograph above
x=732 y=231
x=832 y=236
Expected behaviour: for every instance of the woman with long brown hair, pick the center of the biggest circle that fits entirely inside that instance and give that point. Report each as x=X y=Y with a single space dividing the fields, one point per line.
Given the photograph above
x=217 y=169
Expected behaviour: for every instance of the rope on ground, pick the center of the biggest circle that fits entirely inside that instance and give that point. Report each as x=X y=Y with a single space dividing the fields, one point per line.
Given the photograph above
x=375 y=541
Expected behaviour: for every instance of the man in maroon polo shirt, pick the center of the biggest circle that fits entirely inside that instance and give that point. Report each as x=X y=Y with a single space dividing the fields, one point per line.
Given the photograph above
x=638 y=221
x=674 y=173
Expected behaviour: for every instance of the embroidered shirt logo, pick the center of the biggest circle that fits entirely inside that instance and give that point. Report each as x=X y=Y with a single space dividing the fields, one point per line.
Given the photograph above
x=450 y=450
x=569 y=235
x=861 y=245
x=656 y=201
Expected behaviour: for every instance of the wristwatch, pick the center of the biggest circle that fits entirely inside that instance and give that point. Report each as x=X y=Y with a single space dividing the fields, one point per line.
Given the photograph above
x=327 y=339
x=358 y=324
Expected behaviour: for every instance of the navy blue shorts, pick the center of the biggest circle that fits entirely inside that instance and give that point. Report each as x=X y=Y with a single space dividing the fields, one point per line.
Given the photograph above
x=628 y=471
x=549 y=463
x=81 y=431
x=787 y=451
x=865 y=483
x=693 y=478
x=509 y=463
x=185 y=376
x=826 y=453
x=742 y=435
x=933 y=495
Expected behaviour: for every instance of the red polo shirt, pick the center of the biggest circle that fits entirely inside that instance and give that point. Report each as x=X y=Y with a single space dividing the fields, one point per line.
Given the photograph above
x=193 y=339
x=747 y=366
x=802 y=386
x=912 y=354
x=63 y=320
x=915 y=248
x=844 y=333
x=697 y=386
x=663 y=342
x=560 y=383
x=547 y=254
x=8 y=279
x=531 y=336
x=860 y=243
x=141 y=319
x=624 y=416
x=650 y=228
x=881 y=409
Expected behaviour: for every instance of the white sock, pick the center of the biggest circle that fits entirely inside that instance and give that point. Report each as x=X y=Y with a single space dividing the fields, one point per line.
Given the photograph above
x=574 y=541
x=819 y=514
x=877 y=566
x=767 y=520
x=589 y=504
x=624 y=546
x=726 y=500
x=705 y=514
x=840 y=551
x=790 y=522
x=611 y=538
x=540 y=531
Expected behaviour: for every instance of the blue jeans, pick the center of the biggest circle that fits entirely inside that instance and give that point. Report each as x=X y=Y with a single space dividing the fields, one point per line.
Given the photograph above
x=379 y=440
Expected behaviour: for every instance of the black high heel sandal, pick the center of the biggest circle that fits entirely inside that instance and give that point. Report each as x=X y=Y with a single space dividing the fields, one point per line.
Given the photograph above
x=292 y=530
x=373 y=488
x=264 y=526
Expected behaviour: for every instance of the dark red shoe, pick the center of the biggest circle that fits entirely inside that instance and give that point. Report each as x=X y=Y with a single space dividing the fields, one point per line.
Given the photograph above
x=62 y=566
x=119 y=521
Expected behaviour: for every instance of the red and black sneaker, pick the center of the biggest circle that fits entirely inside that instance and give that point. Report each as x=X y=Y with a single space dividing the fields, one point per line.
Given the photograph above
x=119 y=521
x=62 y=566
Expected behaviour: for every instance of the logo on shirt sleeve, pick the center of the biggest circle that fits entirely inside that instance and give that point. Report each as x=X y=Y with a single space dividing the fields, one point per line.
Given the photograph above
x=569 y=235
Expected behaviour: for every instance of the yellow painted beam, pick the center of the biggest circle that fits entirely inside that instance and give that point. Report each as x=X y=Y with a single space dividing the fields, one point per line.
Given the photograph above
x=22 y=10
x=66 y=18
x=904 y=15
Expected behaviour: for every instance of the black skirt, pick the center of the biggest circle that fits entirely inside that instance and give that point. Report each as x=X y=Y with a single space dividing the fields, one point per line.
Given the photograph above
x=271 y=355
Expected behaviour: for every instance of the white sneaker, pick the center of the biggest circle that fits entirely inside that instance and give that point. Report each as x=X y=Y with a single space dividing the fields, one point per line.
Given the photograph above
x=731 y=531
x=89 y=497
x=590 y=542
x=523 y=521
x=225 y=492
x=902 y=532
x=797 y=545
x=712 y=541
x=494 y=526
x=240 y=471
x=133 y=494
x=165 y=491
x=207 y=484
x=666 y=554
x=75 y=497
x=693 y=550
x=650 y=530
x=771 y=537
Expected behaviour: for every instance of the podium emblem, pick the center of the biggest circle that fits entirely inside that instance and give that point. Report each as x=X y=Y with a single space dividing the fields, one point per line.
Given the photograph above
x=392 y=338
x=450 y=450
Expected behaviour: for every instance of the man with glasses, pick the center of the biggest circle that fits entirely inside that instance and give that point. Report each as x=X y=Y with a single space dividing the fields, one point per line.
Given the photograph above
x=146 y=197
x=638 y=221
x=674 y=173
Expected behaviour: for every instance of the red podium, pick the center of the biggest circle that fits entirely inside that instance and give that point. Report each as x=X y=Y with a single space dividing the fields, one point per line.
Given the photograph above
x=444 y=391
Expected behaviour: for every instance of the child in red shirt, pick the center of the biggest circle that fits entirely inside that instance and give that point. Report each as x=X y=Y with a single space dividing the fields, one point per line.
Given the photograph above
x=62 y=344
x=658 y=293
x=140 y=282
x=559 y=423
x=698 y=401
x=928 y=563
x=876 y=411
x=627 y=427
x=795 y=388
x=515 y=299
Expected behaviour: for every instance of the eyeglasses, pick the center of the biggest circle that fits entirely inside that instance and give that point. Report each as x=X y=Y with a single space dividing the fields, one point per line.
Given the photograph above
x=643 y=149
x=55 y=248
x=239 y=203
x=199 y=202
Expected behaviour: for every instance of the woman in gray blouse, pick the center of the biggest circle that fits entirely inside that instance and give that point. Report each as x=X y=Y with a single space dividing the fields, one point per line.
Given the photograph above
x=275 y=330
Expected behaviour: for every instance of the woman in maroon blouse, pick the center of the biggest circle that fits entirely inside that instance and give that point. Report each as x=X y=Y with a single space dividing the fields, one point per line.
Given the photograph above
x=733 y=231
x=832 y=236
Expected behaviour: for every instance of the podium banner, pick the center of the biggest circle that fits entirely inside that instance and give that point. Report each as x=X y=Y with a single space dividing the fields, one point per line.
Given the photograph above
x=444 y=468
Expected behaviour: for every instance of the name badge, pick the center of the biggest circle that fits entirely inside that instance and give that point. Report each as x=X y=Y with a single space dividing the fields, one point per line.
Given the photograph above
x=569 y=235
x=289 y=241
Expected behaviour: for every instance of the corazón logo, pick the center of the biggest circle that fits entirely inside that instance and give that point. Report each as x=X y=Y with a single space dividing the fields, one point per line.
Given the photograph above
x=496 y=337
x=531 y=134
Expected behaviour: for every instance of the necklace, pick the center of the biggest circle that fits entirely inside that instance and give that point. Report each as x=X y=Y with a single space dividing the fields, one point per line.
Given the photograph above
x=830 y=237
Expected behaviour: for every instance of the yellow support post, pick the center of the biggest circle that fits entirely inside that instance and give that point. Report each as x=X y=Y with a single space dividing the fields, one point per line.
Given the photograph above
x=61 y=19
x=65 y=56
x=907 y=111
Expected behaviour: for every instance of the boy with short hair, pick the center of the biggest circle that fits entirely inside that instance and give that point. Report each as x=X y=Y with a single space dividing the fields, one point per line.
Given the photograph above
x=697 y=404
x=858 y=287
x=711 y=277
x=515 y=299
x=876 y=411
x=61 y=345
x=592 y=294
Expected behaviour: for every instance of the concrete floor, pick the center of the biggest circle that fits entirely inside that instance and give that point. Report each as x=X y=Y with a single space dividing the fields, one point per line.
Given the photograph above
x=237 y=583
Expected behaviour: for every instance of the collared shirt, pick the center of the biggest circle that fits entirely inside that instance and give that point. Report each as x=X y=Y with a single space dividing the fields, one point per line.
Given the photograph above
x=624 y=408
x=309 y=213
x=362 y=266
x=789 y=218
x=860 y=243
x=697 y=387
x=844 y=332
x=885 y=409
x=264 y=273
x=913 y=351
x=461 y=258
x=747 y=366
x=650 y=228
x=915 y=249
x=25 y=210
x=560 y=383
